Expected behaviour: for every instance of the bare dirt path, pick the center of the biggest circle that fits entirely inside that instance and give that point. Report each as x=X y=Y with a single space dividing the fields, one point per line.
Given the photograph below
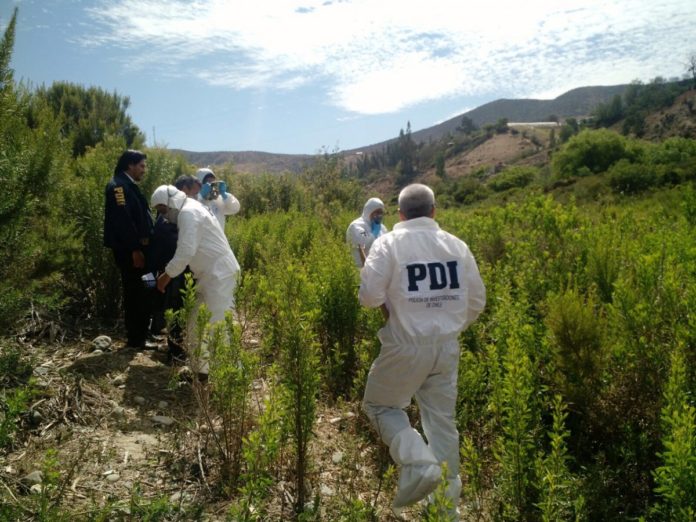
x=122 y=429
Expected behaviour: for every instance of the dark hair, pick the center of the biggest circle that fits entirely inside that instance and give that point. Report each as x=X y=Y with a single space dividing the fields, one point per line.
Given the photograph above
x=416 y=200
x=185 y=181
x=128 y=158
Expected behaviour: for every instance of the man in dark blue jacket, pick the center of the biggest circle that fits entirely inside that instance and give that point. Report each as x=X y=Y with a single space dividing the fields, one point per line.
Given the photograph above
x=128 y=231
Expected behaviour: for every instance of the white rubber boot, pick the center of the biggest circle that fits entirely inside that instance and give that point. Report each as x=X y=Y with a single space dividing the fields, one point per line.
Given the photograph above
x=420 y=472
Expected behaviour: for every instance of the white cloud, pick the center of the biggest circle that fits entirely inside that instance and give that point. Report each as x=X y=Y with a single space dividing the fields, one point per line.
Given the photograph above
x=378 y=57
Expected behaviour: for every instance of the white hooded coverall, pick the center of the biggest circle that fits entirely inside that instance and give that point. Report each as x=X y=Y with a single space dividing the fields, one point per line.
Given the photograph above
x=431 y=284
x=219 y=207
x=360 y=230
x=202 y=246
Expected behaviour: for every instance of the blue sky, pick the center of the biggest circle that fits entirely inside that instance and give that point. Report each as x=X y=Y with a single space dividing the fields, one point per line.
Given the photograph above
x=301 y=76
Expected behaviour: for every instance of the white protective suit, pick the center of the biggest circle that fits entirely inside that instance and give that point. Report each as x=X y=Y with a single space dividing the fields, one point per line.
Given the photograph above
x=360 y=230
x=220 y=207
x=429 y=280
x=202 y=246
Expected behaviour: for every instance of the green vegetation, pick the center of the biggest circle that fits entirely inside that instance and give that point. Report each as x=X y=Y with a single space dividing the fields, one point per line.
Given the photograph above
x=637 y=102
x=576 y=385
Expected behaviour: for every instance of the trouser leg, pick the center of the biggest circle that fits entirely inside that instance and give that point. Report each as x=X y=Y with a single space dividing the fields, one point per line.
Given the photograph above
x=394 y=378
x=158 y=308
x=218 y=296
x=437 y=400
x=136 y=306
x=174 y=301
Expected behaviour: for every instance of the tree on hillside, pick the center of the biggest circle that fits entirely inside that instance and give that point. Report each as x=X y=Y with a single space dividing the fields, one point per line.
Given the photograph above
x=440 y=165
x=607 y=114
x=406 y=155
x=691 y=68
x=467 y=125
x=569 y=129
x=90 y=114
x=6 y=46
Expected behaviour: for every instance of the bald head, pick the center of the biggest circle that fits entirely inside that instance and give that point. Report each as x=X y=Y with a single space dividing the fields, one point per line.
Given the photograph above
x=416 y=200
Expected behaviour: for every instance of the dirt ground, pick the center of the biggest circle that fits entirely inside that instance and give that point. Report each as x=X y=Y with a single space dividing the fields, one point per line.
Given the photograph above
x=126 y=425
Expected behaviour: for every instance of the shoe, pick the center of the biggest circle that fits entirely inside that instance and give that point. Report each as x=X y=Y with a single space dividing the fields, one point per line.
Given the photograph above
x=175 y=353
x=416 y=481
x=149 y=345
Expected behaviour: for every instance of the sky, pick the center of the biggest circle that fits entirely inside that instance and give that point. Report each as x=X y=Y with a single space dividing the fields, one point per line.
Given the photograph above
x=309 y=76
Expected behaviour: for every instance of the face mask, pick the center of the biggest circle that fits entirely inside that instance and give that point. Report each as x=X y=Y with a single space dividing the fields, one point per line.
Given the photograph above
x=377 y=220
x=172 y=215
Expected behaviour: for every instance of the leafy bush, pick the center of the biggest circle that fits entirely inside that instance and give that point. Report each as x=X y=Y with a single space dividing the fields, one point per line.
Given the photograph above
x=631 y=178
x=560 y=497
x=469 y=190
x=578 y=356
x=675 y=479
x=513 y=177
x=593 y=150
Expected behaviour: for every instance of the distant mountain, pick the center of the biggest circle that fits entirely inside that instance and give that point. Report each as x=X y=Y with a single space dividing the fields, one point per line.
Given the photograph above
x=576 y=103
x=251 y=162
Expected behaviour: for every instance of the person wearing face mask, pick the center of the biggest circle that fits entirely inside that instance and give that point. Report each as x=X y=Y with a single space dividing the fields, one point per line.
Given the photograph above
x=127 y=232
x=216 y=199
x=363 y=231
x=164 y=246
x=162 y=249
x=202 y=246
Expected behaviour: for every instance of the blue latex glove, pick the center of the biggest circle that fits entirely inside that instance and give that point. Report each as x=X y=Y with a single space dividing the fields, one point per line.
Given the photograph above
x=223 y=189
x=205 y=190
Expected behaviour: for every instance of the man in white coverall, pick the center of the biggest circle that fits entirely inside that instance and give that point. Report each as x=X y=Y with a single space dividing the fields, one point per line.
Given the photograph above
x=430 y=282
x=202 y=246
x=222 y=205
x=363 y=231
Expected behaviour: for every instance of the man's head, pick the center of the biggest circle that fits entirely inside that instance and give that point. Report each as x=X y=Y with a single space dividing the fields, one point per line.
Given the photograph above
x=188 y=185
x=132 y=162
x=416 y=200
x=205 y=176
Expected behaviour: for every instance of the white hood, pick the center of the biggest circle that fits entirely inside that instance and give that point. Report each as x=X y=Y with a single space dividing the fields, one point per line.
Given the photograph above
x=168 y=195
x=371 y=205
x=202 y=173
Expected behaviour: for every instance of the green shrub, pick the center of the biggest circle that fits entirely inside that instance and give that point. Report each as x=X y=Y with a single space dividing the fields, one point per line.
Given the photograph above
x=232 y=370
x=630 y=178
x=513 y=177
x=469 y=190
x=14 y=403
x=576 y=328
x=592 y=152
x=559 y=495
x=675 y=478
x=339 y=314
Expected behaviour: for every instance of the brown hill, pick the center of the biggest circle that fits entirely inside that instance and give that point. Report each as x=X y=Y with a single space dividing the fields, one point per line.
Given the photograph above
x=250 y=162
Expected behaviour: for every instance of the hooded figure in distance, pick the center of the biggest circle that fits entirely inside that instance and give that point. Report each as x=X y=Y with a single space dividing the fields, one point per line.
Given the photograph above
x=220 y=205
x=363 y=231
x=202 y=246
